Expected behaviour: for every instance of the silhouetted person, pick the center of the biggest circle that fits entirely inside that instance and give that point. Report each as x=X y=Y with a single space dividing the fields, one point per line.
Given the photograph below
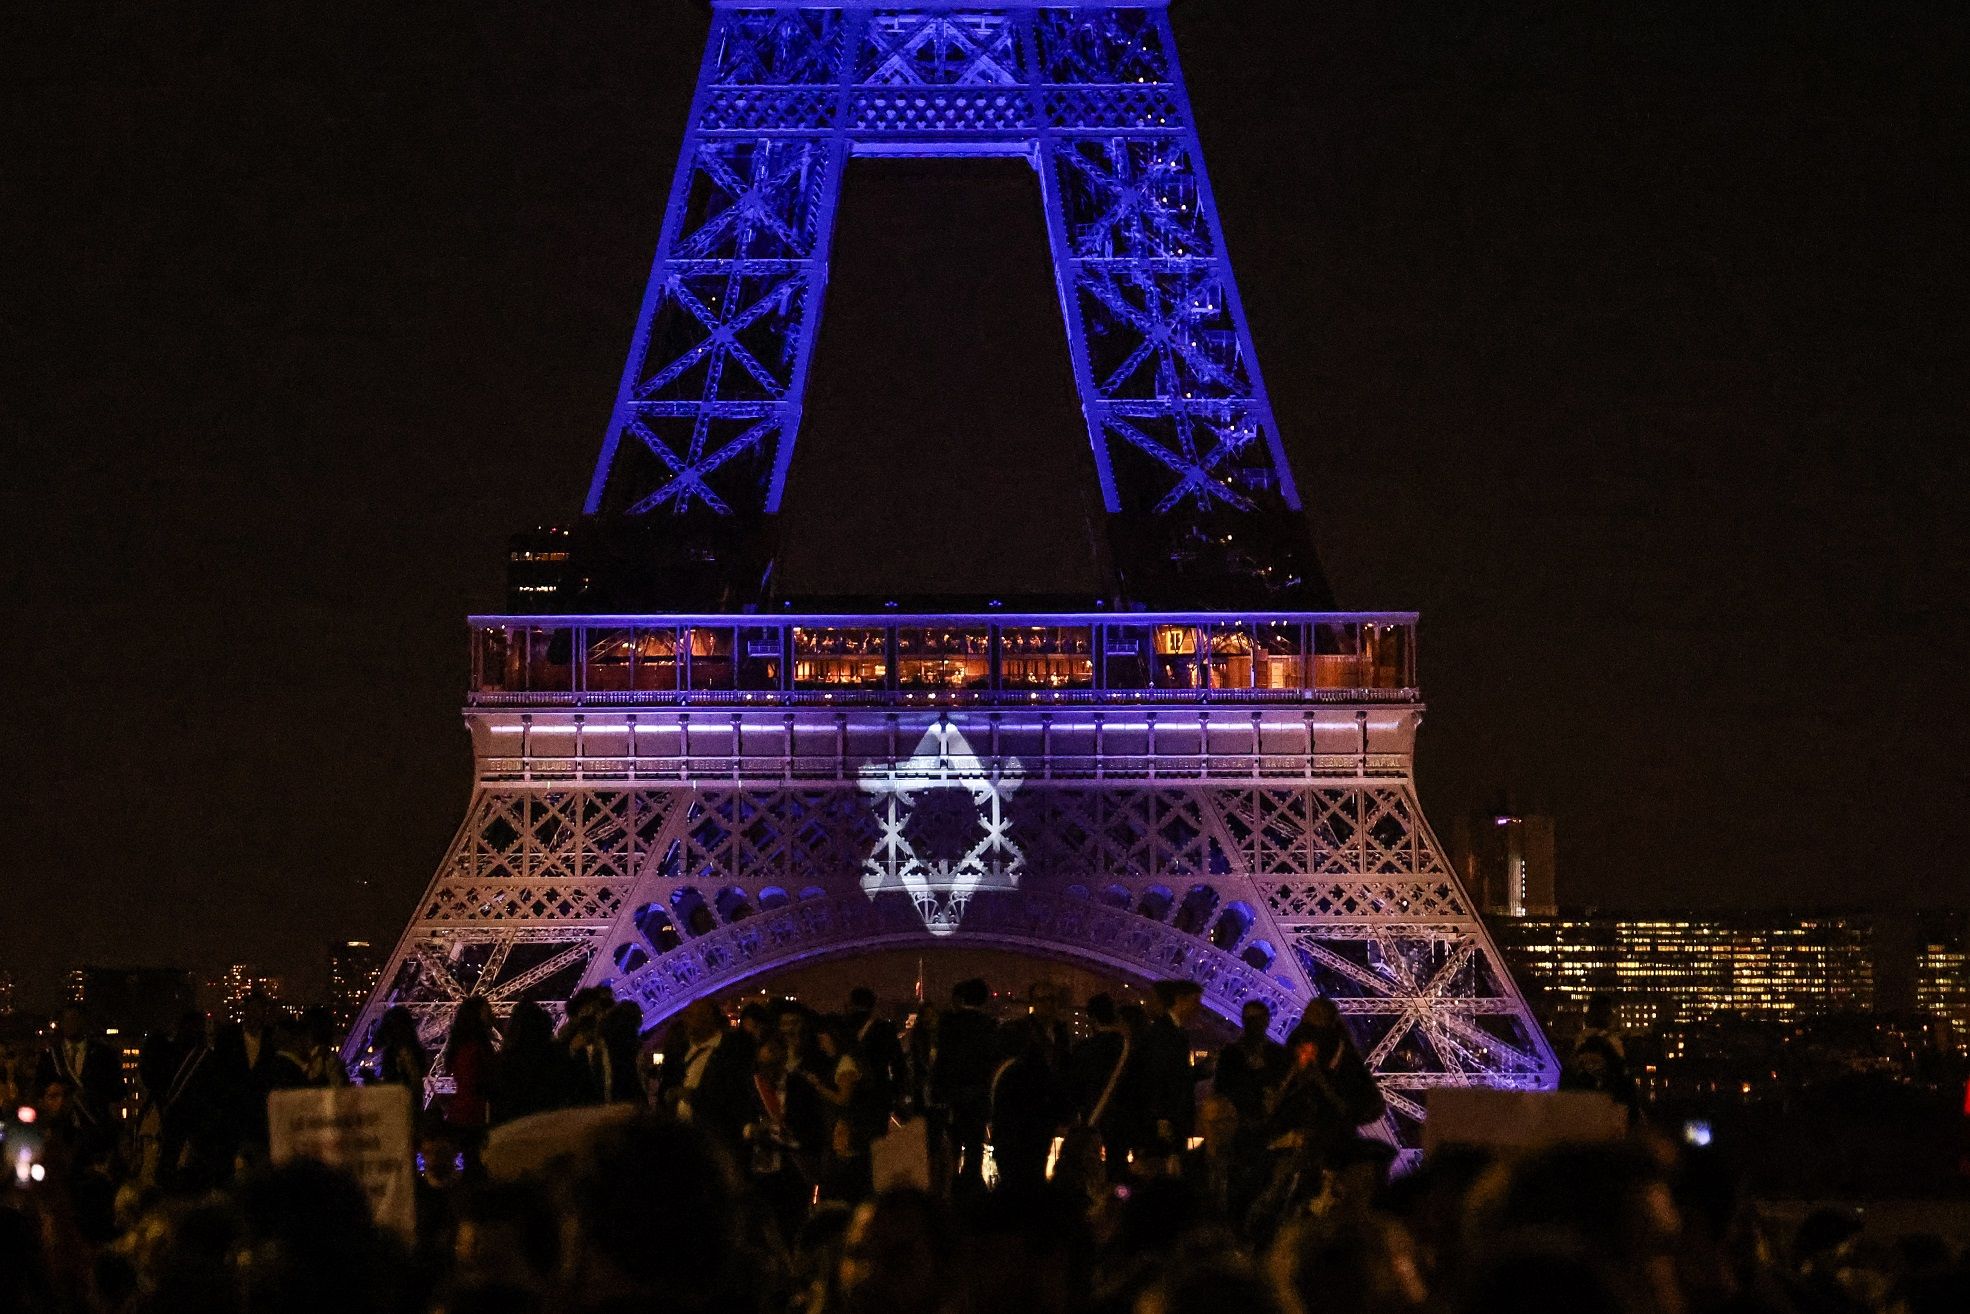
x=580 y=1040
x=316 y=1027
x=1599 y=1061
x=291 y=1066
x=200 y=1113
x=713 y=1087
x=876 y=1046
x=1209 y=1285
x=1610 y=1202
x=896 y=1256
x=1226 y=1175
x=1367 y=1264
x=961 y=1075
x=257 y=1018
x=529 y=1075
x=621 y=1081
x=469 y=1057
x=607 y=1259
x=313 y=1246
x=855 y=1111
x=1031 y=1096
x=786 y=1135
x=93 y=1073
x=1250 y=1066
x=1328 y=1091
x=1096 y=1070
x=1169 y=1084
x=398 y=1056
x=1041 y=1027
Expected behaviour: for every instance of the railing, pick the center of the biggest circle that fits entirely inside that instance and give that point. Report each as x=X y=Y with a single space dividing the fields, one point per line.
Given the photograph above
x=942 y=660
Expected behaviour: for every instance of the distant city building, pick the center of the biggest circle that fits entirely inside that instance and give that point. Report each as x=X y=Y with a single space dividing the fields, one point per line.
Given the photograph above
x=1669 y=969
x=353 y=967
x=77 y=986
x=1507 y=860
x=1942 y=974
x=128 y=1003
x=227 y=993
x=6 y=993
x=536 y=565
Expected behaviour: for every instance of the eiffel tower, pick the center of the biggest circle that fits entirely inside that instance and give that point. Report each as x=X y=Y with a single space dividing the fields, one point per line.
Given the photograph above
x=1208 y=775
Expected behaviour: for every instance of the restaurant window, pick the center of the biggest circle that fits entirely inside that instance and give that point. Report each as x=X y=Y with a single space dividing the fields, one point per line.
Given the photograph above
x=836 y=659
x=655 y=662
x=1385 y=656
x=762 y=658
x=942 y=657
x=497 y=660
x=1337 y=655
x=1179 y=659
x=1125 y=657
x=610 y=665
x=550 y=659
x=1046 y=657
x=709 y=661
x=1279 y=657
x=1231 y=656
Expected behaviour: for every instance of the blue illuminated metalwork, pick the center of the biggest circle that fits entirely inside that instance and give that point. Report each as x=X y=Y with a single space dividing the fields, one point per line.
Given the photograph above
x=1091 y=93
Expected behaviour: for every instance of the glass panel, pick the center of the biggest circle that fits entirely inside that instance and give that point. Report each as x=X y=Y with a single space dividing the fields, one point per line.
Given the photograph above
x=1046 y=657
x=550 y=660
x=1385 y=656
x=1337 y=656
x=761 y=659
x=1231 y=656
x=1178 y=661
x=1125 y=657
x=710 y=661
x=495 y=662
x=1280 y=661
x=656 y=658
x=941 y=657
x=838 y=659
x=610 y=659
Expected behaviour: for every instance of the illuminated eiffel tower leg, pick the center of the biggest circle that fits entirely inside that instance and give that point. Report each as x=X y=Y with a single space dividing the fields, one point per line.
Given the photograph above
x=710 y=399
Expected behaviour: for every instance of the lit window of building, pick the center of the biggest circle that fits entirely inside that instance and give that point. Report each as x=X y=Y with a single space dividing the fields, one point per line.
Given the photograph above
x=1665 y=970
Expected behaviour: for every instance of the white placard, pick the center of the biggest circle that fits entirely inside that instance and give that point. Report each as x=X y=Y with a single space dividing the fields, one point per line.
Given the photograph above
x=901 y=1158
x=364 y=1131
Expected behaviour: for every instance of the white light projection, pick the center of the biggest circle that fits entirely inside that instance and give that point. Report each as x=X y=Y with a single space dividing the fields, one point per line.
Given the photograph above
x=945 y=833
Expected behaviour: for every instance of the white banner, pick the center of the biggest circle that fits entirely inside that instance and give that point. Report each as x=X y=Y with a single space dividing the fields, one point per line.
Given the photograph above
x=902 y=1158
x=364 y=1131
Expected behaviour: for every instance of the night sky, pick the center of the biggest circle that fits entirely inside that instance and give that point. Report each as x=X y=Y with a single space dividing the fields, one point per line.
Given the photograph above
x=1624 y=342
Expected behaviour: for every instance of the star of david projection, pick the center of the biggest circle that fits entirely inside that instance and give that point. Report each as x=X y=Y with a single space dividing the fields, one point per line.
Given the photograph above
x=944 y=830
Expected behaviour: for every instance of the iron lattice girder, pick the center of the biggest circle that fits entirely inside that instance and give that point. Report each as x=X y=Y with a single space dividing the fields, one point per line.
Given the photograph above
x=711 y=395
x=1258 y=887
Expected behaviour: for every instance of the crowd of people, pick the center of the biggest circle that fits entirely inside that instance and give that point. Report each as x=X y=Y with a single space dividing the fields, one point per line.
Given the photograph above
x=784 y=1161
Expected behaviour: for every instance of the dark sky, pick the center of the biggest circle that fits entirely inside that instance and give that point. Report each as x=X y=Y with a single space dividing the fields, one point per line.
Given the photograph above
x=1624 y=342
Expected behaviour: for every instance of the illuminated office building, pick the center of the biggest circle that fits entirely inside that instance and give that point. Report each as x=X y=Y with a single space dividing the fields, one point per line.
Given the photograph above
x=353 y=966
x=228 y=992
x=1672 y=968
x=129 y=1003
x=536 y=567
x=1942 y=973
x=1507 y=860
